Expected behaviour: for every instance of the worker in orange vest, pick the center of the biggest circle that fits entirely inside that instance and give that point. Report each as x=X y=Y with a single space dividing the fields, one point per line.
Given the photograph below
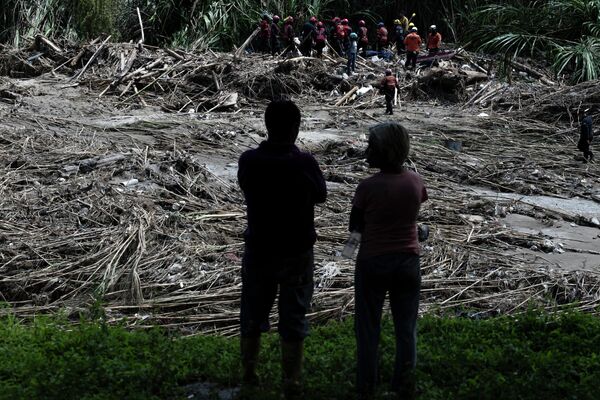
x=412 y=41
x=434 y=38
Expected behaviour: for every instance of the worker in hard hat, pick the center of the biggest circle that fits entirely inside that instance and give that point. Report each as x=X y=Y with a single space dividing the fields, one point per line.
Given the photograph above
x=389 y=84
x=399 y=34
x=287 y=36
x=404 y=21
x=347 y=30
x=275 y=32
x=320 y=39
x=339 y=37
x=434 y=40
x=412 y=41
x=363 y=37
x=264 y=36
x=382 y=36
x=352 y=51
x=309 y=31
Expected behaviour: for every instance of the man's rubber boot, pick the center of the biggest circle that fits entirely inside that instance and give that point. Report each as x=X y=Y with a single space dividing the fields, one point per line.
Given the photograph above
x=292 y=353
x=250 y=347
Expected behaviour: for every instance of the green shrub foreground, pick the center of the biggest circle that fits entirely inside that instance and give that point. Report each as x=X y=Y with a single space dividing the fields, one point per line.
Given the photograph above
x=533 y=356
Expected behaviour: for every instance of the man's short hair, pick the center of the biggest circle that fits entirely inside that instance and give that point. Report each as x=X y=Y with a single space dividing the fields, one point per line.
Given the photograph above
x=389 y=145
x=282 y=119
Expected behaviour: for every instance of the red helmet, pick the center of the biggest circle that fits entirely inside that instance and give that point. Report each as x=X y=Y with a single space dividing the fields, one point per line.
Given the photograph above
x=319 y=24
x=361 y=23
x=345 y=21
x=337 y=20
x=313 y=20
x=276 y=18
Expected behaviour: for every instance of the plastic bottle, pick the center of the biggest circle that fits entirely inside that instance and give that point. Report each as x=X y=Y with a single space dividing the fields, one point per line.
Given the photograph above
x=351 y=245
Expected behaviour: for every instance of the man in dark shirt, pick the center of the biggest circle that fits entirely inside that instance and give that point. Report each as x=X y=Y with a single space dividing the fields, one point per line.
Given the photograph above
x=585 y=137
x=281 y=186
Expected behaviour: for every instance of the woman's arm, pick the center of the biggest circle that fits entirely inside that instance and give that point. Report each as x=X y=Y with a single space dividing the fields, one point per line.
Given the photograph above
x=357 y=220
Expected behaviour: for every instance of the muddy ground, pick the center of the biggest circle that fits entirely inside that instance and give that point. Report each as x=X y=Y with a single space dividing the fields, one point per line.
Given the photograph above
x=139 y=208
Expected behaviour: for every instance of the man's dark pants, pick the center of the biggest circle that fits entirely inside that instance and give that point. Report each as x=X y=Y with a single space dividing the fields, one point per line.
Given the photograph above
x=389 y=100
x=400 y=47
x=411 y=59
x=262 y=277
x=584 y=147
x=351 y=65
x=400 y=276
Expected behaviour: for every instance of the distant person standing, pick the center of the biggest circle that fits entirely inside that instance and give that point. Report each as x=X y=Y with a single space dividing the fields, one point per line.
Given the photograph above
x=363 y=37
x=434 y=40
x=281 y=185
x=309 y=31
x=412 y=41
x=399 y=33
x=382 y=37
x=586 y=135
x=384 y=211
x=288 y=35
x=275 y=33
x=264 y=34
x=320 y=39
x=389 y=84
x=352 y=52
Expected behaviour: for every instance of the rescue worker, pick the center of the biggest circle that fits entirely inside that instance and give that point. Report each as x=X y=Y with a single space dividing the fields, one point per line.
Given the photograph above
x=363 y=37
x=345 y=31
x=403 y=21
x=586 y=135
x=352 y=51
x=389 y=84
x=320 y=39
x=308 y=35
x=340 y=39
x=399 y=32
x=434 y=39
x=412 y=41
x=275 y=32
x=382 y=36
x=281 y=186
x=264 y=35
x=287 y=36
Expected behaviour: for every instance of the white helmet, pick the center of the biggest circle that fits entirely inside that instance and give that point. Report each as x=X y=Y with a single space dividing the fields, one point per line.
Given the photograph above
x=433 y=27
x=414 y=29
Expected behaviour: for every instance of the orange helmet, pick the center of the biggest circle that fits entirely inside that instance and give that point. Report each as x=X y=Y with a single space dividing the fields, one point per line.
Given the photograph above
x=361 y=23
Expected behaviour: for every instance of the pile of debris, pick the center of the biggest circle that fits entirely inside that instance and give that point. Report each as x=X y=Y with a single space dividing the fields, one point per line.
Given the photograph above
x=181 y=81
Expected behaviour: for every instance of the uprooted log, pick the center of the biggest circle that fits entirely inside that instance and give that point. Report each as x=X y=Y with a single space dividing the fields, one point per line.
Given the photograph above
x=89 y=164
x=449 y=83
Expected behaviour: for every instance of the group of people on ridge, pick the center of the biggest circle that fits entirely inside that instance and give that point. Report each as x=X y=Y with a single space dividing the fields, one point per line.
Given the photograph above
x=281 y=186
x=338 y=34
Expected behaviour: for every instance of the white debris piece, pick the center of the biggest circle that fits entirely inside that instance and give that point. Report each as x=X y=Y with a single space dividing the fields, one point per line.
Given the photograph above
x=364 y=90
x=330 y=270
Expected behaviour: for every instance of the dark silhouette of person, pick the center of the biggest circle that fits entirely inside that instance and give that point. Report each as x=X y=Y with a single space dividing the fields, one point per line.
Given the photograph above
x=384 y=211
x=281 y=185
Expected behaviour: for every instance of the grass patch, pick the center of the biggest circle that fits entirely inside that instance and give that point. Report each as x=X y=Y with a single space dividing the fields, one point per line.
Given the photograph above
x=533 y=356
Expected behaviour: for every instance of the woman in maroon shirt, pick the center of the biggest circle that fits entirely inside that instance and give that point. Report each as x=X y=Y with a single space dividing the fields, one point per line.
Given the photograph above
x=384 y=211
